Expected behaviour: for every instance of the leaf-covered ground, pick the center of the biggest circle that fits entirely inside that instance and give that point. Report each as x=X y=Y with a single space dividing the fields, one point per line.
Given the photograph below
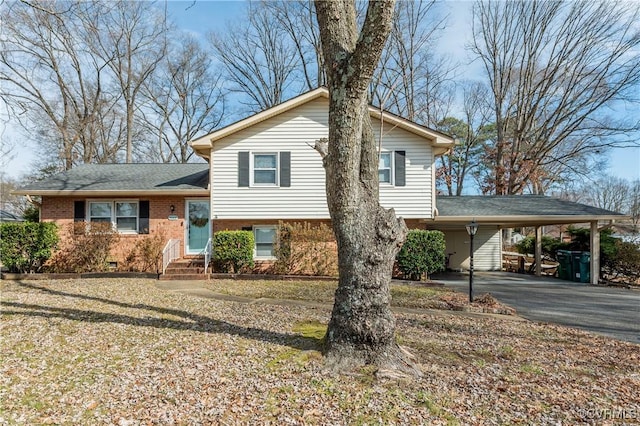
x=126 y=352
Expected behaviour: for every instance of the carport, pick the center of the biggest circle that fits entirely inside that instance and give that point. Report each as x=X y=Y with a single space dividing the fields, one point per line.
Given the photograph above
x=515 y=211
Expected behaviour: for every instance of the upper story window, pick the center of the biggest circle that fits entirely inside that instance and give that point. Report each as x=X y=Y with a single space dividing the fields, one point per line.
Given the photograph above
x=265 y=169
x=385 y=168
x=123 y=215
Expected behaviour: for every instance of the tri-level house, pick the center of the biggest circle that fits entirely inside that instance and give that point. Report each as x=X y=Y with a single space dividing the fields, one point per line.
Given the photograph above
x=263 y=169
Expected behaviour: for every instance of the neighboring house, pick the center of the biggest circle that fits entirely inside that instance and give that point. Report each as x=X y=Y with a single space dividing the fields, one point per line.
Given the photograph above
x=261 y=170
x=5 y=216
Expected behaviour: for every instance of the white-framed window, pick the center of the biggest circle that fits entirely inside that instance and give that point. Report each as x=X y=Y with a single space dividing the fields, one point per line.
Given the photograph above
x=385 y=168
x=264 y=169
x=265 y=237
x=100 y=211
x=126 y=216
x=122 y=214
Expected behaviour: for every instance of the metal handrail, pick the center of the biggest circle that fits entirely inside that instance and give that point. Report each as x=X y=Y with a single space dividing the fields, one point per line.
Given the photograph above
x=170 y=253
x=208 y=250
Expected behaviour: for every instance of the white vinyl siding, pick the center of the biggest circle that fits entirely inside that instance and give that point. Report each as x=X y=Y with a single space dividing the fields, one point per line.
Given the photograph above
x=294 y=131
x=487 y=245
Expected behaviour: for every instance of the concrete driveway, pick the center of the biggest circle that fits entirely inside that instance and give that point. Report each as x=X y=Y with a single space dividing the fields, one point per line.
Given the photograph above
x=613 y=312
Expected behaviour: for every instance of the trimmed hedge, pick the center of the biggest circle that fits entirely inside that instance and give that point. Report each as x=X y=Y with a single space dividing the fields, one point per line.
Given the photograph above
x=26 y=246
x=233 y=250
x=422 y=253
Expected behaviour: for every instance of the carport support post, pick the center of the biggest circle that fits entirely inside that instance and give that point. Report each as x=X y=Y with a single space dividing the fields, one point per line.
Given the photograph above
x=594 y=248
x=538 y=253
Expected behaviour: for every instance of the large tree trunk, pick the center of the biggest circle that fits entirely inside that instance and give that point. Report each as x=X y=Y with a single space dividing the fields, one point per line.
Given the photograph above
x=362 y=326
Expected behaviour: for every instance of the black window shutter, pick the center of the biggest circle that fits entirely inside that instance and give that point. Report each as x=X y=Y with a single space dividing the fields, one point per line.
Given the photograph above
x=143 y=219
x=285 y=169
x=78 y=211
x=243 y=168
x=399 y=169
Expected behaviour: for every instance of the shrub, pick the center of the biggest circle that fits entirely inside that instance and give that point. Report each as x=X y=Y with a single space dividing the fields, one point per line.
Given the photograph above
x=233 y=250
x=26 y=246
x=624 y=265
x=88 y=249
x=31 y=214
x=146 y=255
x=550 y=246
x=304 y=249
x=422 y=252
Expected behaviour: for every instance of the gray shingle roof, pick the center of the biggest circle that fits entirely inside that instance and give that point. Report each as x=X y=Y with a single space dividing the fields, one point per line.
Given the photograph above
x=125 y=177
x=5 y=216
x=514 y=205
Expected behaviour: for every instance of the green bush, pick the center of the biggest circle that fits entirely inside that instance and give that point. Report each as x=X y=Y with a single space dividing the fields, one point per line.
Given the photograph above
x=550 y=246
x=233 y=250
x=422 y=252
x=31 y=214
x=624 y=265
x=26 y=246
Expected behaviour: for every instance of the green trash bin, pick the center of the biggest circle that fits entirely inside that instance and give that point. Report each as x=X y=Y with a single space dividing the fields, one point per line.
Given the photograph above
x=565 y=269
x=575 y=265
x=585 y=267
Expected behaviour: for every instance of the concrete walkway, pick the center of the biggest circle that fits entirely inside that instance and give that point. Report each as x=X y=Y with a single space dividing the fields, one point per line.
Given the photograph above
x=614 y=312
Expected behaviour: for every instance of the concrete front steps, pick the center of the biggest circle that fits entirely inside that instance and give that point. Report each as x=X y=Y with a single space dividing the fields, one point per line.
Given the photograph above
x=185 y=269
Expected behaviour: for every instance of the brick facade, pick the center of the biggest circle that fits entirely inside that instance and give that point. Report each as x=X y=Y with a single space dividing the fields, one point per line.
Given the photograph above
x=61 y=211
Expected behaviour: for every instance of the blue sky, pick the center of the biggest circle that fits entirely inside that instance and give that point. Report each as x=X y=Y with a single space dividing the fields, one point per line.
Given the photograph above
x=200 y=17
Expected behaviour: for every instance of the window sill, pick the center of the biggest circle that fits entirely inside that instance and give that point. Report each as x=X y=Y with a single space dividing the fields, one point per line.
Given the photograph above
x=265 y=258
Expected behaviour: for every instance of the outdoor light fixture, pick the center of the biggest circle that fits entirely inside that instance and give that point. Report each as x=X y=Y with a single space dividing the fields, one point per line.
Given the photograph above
x=172 y=208
x=472 y=228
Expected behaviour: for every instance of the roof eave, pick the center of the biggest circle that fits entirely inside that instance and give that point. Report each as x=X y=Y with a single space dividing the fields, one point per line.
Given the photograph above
x=113 y=193
x=518 y=220
x=441 y=142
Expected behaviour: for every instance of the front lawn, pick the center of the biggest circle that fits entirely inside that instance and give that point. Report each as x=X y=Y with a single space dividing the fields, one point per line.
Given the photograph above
x=415 y=295
x=122 y=351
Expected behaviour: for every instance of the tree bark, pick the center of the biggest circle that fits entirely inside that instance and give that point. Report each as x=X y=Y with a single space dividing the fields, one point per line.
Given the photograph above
x=362 y=326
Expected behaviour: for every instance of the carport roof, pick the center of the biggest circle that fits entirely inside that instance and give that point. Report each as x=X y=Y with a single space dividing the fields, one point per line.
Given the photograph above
x=513 y=210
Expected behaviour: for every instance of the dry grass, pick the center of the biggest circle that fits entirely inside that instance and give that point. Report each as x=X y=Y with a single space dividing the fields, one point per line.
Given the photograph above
x=403 y=295
x=124 y=352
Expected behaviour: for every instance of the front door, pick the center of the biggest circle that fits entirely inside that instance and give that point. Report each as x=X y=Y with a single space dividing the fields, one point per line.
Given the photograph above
x=198 y=226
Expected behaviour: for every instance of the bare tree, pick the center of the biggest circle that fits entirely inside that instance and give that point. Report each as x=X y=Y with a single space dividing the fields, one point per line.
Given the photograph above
x=16 y=204
x=608 y=192
x=471 y=133
x=554 y=69
x=634 y=204
x=362 y=326
x=411 y=80
x=51 y=83
x=186 y=100
x=258 y=58
x=298 y=20
x=131 y=38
